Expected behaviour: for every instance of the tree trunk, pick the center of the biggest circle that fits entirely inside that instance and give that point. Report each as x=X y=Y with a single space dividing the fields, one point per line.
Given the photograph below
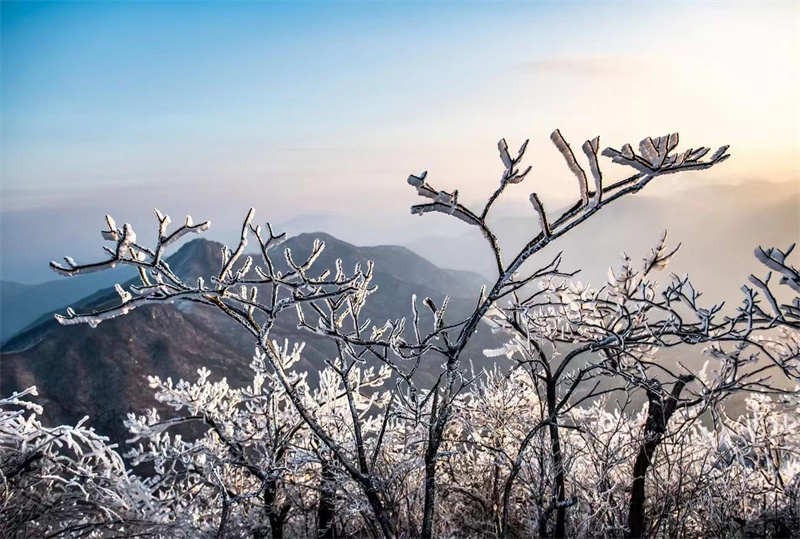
x=223 y=519
x=638 y=494
x=559 y=493
x=326 y=528
x=430 y=494
x=276 y=522
x=276 y=516
x=434 y=439
x=660 y=409
x=387 y=527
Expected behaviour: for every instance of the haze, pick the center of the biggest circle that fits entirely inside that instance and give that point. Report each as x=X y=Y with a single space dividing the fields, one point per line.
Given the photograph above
x=315 y=113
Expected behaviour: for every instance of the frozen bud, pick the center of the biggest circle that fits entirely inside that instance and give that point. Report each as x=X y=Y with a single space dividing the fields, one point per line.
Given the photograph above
x=417 y=181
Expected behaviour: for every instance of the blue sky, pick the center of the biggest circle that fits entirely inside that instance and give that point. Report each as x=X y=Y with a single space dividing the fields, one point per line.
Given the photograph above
x=304 y=108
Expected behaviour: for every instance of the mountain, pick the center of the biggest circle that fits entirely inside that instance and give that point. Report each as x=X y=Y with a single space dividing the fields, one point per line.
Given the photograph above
x=102 y=372
x=399 y=262
x=21 y=304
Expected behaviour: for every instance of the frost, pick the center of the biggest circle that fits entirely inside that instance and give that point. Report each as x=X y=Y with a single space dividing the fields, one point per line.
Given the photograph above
x=124 y=296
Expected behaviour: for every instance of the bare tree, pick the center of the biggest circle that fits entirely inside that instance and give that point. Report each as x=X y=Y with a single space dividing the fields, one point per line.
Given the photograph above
x=656 y=159
x=235 y=292
x=571 y=337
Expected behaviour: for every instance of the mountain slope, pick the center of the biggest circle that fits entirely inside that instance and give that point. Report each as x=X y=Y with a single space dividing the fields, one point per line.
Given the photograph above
x=401 y=262
x=102 y=372
x=21 y=304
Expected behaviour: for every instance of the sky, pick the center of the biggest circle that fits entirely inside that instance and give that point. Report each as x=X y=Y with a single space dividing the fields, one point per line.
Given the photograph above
x=316 y=112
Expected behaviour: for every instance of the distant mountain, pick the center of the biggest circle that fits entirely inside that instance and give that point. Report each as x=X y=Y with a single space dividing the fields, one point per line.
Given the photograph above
x=21 y=304
x=392 y=227
x=102 y=372
x=718 y=227
x=399 y=262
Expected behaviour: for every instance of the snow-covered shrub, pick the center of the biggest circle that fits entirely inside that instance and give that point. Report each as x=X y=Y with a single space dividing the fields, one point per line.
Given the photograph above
x=65 y=480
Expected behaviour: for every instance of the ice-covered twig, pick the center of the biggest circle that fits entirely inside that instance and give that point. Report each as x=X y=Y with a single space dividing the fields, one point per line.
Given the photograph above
x=228 y=265
x=775 y=259
x=540 y=211
x=656 y=156
x=590 y=149
x=572 y=163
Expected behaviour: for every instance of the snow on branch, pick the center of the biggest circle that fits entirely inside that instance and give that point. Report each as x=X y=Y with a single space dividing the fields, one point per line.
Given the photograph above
x=656 y=156
x=775 y=259
x=572 y=163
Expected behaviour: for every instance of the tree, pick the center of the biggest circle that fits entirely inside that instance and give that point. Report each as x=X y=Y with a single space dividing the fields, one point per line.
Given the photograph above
x=244 y=468
x=569 y=344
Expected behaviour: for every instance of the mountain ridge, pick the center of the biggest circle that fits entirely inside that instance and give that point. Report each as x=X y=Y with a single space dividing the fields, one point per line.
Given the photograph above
x=102 y=372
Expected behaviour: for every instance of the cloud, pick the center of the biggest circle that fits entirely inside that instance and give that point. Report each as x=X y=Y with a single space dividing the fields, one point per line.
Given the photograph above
x=315 y=149
x=588 y=66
